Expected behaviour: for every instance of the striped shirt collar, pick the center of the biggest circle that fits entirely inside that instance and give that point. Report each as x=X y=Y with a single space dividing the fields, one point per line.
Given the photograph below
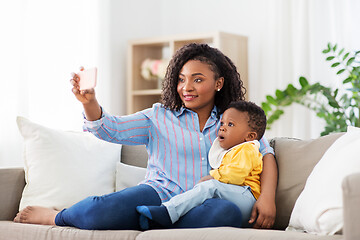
x=214 y=112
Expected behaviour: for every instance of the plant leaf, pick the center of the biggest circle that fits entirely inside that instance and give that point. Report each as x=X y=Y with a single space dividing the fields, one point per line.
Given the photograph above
x=350 y=61
x=329 y=46
x=335 y=64
x=341 y=51
x=266 y=107
x=303 y=82
x=349 y=79
x=346 y=55
x=291 y=90
x=330 y=58
x=279 y=94
x=271 y=100
x=334 y=48
x=340 y=71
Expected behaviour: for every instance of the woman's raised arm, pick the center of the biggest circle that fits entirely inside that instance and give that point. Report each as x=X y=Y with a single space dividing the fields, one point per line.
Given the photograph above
x=87 y=98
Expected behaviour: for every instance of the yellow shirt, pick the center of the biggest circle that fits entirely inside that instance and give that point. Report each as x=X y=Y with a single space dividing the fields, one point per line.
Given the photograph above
x=240 y=165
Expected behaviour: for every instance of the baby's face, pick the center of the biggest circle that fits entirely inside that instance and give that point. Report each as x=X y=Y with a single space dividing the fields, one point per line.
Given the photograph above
x=234 y=128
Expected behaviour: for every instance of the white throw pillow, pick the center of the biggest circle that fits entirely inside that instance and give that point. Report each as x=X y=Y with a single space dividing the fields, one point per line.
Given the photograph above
x=64 y=167
x=128 y=176
x=318 y=209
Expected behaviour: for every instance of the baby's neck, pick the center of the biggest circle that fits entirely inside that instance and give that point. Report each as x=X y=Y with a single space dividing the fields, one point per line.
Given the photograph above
x=239 y=144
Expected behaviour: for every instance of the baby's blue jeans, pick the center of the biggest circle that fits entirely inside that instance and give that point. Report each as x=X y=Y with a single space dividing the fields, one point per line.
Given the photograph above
x=241 y=196
x=117 y=211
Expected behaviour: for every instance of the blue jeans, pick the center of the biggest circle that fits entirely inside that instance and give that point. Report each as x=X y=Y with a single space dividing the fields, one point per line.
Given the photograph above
x=117 y=211
x=241 y=196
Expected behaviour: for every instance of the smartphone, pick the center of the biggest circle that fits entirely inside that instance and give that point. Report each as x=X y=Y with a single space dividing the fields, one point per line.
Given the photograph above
x=87 y=78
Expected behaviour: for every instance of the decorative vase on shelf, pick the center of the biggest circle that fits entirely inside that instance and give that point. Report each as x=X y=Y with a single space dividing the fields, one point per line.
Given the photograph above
x=154 y=70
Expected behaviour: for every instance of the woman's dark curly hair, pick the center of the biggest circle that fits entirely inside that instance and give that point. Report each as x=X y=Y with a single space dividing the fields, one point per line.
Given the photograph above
x=221 y=65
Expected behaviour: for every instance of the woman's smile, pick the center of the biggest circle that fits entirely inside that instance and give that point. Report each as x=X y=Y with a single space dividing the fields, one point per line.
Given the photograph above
x=188 y=97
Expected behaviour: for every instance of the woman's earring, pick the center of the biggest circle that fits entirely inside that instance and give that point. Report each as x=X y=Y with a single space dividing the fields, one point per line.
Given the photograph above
x=218 y=90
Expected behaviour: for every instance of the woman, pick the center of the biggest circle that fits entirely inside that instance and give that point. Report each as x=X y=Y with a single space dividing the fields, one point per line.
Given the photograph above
x=199 y=84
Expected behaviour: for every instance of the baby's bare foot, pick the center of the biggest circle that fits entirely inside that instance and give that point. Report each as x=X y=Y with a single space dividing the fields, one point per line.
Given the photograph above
x=36 y=215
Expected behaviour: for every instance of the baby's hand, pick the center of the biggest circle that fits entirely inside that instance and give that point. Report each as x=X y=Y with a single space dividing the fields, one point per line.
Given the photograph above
x=84 y=96
x=203 y=179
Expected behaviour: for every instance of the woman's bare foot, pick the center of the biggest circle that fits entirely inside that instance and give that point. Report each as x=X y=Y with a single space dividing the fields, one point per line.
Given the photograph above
x=36 y=215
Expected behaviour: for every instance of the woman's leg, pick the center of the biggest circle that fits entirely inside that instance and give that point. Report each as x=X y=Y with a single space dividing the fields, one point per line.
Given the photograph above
x=112 y=211
x=213 y=212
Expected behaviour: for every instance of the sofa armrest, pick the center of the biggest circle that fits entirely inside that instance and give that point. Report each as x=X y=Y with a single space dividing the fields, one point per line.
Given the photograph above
x=351 y=199
x=12 y=182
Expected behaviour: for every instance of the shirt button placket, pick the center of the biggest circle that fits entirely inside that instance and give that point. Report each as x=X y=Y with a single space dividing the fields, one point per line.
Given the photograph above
x=203 y=156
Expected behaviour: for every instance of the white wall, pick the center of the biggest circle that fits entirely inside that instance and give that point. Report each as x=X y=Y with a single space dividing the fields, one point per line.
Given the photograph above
x=123 y=21
x=162 y=17
x=286 y=38
x=47 y=38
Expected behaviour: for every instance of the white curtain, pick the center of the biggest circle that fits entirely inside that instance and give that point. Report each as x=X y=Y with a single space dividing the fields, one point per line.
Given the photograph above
x=41 y=43
x=295 y=35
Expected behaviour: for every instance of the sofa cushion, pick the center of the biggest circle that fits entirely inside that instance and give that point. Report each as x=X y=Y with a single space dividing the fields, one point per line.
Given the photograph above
x=128 y=175
x=319 y=208
x=10 y=230
x=12 y=184
x=295 y=159
x=351 y=198
x=63 y=167
x=229 y=233
x=135 y=155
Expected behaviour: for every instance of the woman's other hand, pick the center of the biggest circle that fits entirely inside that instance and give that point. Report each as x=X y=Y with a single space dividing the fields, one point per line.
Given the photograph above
x=203 y=179
x=263 y=213
x=264 y=210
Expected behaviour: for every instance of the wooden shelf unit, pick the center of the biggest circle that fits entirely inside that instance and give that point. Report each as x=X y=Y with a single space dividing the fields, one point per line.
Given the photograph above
x=141 y=93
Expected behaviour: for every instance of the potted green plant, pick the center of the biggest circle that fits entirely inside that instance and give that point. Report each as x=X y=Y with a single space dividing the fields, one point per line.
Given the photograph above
x=338 y=107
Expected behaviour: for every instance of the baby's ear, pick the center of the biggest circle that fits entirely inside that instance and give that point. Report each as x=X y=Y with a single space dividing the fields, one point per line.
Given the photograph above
x=251 y=136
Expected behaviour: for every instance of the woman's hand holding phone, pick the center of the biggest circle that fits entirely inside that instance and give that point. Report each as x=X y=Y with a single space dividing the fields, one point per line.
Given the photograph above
x=81 y=82
x=85 y=93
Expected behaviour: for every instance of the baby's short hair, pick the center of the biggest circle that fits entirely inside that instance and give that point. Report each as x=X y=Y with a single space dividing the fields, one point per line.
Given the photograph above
x=257 y=117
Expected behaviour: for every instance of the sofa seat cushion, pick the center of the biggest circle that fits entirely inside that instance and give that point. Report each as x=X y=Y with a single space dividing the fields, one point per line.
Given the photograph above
x=229 y=233
x=20 y=231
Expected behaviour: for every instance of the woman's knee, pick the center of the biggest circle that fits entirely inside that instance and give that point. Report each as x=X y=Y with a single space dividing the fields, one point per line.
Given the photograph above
x=213 y=212
x=224 y=212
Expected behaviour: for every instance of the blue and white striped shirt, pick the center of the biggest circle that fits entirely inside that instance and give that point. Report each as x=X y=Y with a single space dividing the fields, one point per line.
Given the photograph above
x=177 y=149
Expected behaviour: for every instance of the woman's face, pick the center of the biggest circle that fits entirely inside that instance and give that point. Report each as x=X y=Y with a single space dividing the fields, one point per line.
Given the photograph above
x=197 y=86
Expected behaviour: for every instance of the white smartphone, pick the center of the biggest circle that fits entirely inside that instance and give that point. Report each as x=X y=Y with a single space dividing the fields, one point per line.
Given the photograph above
x=87 y=78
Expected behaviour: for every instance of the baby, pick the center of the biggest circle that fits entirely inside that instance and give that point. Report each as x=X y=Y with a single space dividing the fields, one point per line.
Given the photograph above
x=236 y=162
